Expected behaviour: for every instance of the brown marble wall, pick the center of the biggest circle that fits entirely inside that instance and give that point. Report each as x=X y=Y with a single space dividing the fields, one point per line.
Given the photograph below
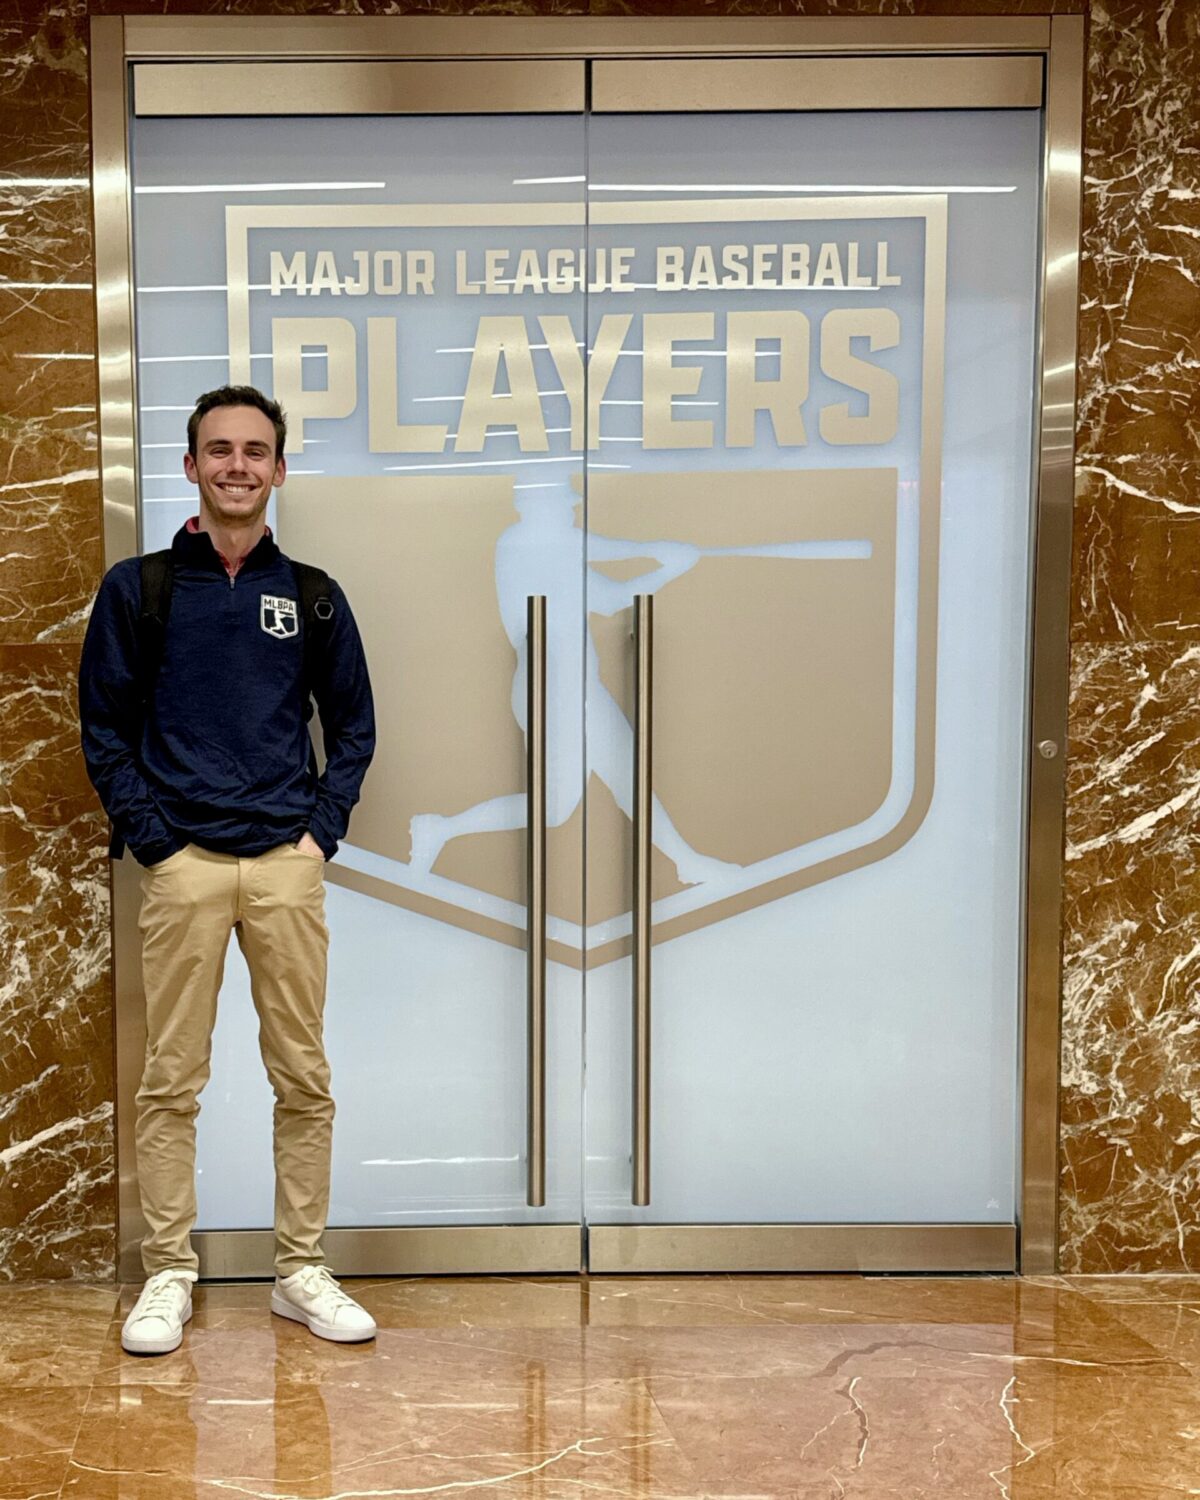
x=1131 y=1054
x=56 y=1151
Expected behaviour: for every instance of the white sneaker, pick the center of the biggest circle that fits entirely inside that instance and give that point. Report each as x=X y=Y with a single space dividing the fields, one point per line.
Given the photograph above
x=155 y=1326
x=311 y=1296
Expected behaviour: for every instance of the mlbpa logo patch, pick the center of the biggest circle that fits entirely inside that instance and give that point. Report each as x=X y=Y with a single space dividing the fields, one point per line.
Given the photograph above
x=278 y=617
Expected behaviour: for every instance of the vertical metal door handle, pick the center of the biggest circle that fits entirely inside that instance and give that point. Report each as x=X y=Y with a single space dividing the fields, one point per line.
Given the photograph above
x=643 y=639
x=535 y=871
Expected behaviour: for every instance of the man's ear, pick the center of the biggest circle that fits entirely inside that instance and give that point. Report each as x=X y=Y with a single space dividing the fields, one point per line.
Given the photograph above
x=280 y=471
x=189 y=468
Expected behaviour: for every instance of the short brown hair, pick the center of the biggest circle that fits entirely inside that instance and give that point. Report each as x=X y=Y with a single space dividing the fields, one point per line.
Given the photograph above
x=238 y=395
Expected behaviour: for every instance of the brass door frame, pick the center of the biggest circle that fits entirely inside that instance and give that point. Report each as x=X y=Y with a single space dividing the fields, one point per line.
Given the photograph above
x=1058 y=41
x=255 y=38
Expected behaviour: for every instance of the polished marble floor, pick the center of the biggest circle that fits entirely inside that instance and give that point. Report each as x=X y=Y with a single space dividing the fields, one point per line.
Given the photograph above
x=732 y=1387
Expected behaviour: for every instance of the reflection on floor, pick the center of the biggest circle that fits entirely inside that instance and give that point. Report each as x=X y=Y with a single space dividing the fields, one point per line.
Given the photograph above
x=731 y=1387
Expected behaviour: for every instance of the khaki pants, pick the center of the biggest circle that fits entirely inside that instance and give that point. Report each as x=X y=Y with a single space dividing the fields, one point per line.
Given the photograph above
x=275 y=902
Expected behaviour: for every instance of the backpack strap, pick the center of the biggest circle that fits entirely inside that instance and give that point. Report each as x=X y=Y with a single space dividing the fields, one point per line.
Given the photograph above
x=316 y=609
x=158 y=576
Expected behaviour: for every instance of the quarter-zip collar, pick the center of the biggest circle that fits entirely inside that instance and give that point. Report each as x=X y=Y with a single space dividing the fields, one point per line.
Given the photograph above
x=196 y=549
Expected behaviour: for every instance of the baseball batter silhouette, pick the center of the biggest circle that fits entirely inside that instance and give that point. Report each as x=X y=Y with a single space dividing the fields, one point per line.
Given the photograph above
x=540 y=553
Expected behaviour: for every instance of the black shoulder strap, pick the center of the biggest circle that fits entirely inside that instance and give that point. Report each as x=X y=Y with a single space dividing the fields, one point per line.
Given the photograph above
x=158 y=574
x=316 y=609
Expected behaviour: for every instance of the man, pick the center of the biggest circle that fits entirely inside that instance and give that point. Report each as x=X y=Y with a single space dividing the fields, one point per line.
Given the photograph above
x=195 y=732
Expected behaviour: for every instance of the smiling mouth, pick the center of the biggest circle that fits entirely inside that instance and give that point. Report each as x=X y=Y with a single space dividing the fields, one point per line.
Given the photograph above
x=237 y=489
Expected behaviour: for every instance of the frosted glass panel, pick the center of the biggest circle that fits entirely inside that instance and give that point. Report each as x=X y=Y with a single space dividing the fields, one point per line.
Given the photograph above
x=839 y=555
x=778 y=372
x=342 y=265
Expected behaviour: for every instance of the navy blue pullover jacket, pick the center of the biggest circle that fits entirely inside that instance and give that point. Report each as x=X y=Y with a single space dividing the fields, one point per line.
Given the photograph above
x=223 y=758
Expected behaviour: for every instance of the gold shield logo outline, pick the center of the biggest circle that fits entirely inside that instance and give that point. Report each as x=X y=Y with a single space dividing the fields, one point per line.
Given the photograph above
x=240 y=219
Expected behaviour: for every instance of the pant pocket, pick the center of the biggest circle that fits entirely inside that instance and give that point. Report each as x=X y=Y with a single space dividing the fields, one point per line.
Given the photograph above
x=171 y=859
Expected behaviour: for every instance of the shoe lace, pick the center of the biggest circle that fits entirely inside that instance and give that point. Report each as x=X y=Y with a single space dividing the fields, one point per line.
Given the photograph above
x=160 y=1294
x=318 y=1281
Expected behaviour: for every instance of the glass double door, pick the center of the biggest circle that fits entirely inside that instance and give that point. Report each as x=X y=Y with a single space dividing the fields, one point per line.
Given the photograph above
x=746 y=401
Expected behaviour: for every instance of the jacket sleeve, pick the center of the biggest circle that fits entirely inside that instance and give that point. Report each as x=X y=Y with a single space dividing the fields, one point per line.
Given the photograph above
x=342 y=691
x=110 y=718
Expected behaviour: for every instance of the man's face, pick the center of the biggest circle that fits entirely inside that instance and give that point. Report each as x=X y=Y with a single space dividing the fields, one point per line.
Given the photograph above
x=235 y=464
